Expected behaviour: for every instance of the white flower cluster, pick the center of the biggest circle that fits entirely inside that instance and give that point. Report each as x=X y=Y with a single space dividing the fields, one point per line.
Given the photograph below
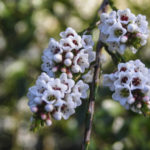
x=71 y=55
x=57 y=92
x=131 y=86
x=123 y=29
x=55 y=97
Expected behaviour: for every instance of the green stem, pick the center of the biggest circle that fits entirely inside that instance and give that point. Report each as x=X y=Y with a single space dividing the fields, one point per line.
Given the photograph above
x=96 y=77
x=93 y=85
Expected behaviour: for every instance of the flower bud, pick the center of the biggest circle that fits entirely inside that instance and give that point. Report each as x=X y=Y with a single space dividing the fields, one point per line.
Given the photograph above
x=146 y=98
x=70 y=75
x=124 y=39
x=69 y=55
x=57 y=116
x=131 y=100
x=48 y=122
x=63 y=70
x=37 y=100
x=139 y=105
x=43 y=116
x=49 y=107
x=58 y=58
x=54 y=69
x=75 y=69
x=131 y=28
x=34 y=109
x=67 y=62
x=139 y=35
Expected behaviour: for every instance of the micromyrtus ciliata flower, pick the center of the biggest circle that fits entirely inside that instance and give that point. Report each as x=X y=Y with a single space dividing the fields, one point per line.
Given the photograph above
x=73 y=54
x=131 y=86
x=57 y=92
x=122 y=29
x=55 y=97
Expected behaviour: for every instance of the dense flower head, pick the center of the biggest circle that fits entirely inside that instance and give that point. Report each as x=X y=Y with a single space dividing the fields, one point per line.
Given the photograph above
x=55 y=97
x=131 y=86
x=59 y=89
x=73 y=54
x=123 y=29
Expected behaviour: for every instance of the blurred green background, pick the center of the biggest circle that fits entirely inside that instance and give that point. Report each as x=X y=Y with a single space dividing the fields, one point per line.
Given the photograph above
x=25 y=29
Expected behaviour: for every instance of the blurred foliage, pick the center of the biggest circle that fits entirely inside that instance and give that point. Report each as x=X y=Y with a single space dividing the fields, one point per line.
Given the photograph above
x=25 y=29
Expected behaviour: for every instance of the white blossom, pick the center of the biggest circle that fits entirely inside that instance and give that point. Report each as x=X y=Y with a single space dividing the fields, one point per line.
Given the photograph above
x=131 y=85
x=72 y=54
x=87 y=41
x=82 y=61
x=82 y=88
x=88 y=77
x=55 y=97
x=121 y=30
x=69 y=32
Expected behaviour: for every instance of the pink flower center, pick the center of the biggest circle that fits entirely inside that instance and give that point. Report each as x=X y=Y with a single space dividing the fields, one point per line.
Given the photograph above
x=124 y=80
x=75 y=42
x=124 y=18
x=70 y=34
x=66 y=44
x=123 y=69
x=136 y=81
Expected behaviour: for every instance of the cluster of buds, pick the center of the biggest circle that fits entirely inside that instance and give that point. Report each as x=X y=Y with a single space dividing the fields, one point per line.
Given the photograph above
x=58 y=91
x=72 y=55
x=131 y=86
x=123 y=29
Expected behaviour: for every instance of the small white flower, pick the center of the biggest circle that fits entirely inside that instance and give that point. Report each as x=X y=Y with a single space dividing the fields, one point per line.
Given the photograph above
x=142 y=24
x=67 y=82
x=73 y=99
x=51 y=96
x=117 y=31
x=124 y=79
x=109 y=81
x=76 y=42
x=125 y=16
x=82 y=61
x=88 y=77
x=138 y=81
x=122 y=95
x=57 y=85
x=82 y=88
x=68 y=33
x=87 y=41
x=67 y=111
x=91 y=54
x=54 y=46
x=67 y=44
